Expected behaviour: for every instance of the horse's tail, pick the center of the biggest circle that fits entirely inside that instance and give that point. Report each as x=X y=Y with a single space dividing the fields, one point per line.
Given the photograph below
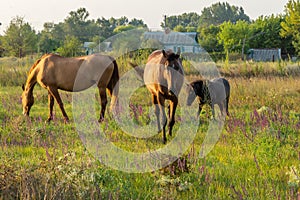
x=138 y=69
x=113 y=85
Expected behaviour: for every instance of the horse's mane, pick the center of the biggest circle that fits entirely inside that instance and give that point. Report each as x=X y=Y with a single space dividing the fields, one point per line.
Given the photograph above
x=158 y=52
x=38 y=61
x=154 y=54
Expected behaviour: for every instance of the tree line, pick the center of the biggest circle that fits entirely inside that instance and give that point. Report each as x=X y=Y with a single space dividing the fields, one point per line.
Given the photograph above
x=221 y=28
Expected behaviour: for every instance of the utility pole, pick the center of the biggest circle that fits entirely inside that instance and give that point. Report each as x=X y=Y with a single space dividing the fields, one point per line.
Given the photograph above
x=243 y=47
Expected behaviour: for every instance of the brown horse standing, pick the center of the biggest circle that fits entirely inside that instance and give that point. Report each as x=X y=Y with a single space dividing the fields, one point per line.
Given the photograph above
x=54 y=72
x=163 y=77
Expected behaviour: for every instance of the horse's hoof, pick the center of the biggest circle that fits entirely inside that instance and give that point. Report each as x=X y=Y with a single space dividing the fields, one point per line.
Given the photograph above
x=49 y=120
x=66 y=120
x=164 y=140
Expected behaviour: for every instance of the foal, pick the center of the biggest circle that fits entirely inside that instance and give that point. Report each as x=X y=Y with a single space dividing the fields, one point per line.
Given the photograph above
x=215 y=91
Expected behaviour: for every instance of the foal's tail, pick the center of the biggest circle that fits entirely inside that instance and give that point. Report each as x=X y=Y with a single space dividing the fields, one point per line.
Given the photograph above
x=138 y=69
x=113 y=85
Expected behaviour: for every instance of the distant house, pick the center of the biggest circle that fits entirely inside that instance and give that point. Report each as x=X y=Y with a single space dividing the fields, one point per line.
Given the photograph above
x=264 y=54
x=89 y=47
x=186 y=42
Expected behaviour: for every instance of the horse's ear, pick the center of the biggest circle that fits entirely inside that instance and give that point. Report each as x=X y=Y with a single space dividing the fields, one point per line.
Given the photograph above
x=164 y=53
x=23 y=87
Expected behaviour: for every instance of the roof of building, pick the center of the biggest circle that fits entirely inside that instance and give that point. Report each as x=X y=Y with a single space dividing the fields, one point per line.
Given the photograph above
x=88 y=44
x=178 y=38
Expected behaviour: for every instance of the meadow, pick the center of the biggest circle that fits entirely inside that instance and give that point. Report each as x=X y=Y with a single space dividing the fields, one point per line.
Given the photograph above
x=256 y=157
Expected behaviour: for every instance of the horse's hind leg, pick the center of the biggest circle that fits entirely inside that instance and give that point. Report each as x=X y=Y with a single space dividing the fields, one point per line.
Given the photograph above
x=50 y=103
x=55 y=94
x=103 y=99
x=227 y=102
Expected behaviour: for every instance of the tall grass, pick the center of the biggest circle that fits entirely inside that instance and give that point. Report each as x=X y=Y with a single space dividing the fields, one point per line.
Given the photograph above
x=257 y=155
x=13 y=71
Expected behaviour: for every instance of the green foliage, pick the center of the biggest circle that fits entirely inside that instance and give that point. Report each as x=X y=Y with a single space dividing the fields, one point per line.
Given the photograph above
x=185 y=20
x=71 y=47
x=133 y=41
x=291 y=25
x=208 y=38
x=232 y=36
x=137 y=23
x=19 y=39
x=266 y=34
x=179 y=28
x=47 y=41
x=218 y=13
x=123 y=28
x=256 y=157
x=222 y=28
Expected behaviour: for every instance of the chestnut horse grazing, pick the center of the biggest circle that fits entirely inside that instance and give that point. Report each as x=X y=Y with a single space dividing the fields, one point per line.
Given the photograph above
x=163 y=76
x=215 y=91
x=54 y=72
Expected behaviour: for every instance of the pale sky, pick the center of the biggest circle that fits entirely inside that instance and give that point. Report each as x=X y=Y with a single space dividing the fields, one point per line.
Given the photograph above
x=37 y=12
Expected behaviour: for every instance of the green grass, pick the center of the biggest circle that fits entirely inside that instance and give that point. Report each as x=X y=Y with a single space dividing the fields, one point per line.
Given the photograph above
x=256 y=157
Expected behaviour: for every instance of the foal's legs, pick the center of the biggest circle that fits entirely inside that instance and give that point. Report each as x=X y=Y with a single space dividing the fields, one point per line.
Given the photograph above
x=226 y=103
x=221 y=106
x=103 y=99
x=50 y=104
x=54 y=92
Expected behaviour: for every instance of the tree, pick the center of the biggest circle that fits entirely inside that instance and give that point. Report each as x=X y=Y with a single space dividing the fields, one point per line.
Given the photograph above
x=185 y=20
x=291 y=25
x=232 y=36
x=78 y=25
x=179 y=28
x=47 y=42
x=71 y=47
x=208 y=38
x=19 y=39
x=106 y=27
x=123 y=28
x=137 y=23
x=1 y=46
x=265 y=33
x=222 y=12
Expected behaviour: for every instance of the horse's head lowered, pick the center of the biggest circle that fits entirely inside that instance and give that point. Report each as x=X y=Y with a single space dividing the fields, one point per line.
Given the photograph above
x=173 y=72
x=198 y=89
x=27 y=101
